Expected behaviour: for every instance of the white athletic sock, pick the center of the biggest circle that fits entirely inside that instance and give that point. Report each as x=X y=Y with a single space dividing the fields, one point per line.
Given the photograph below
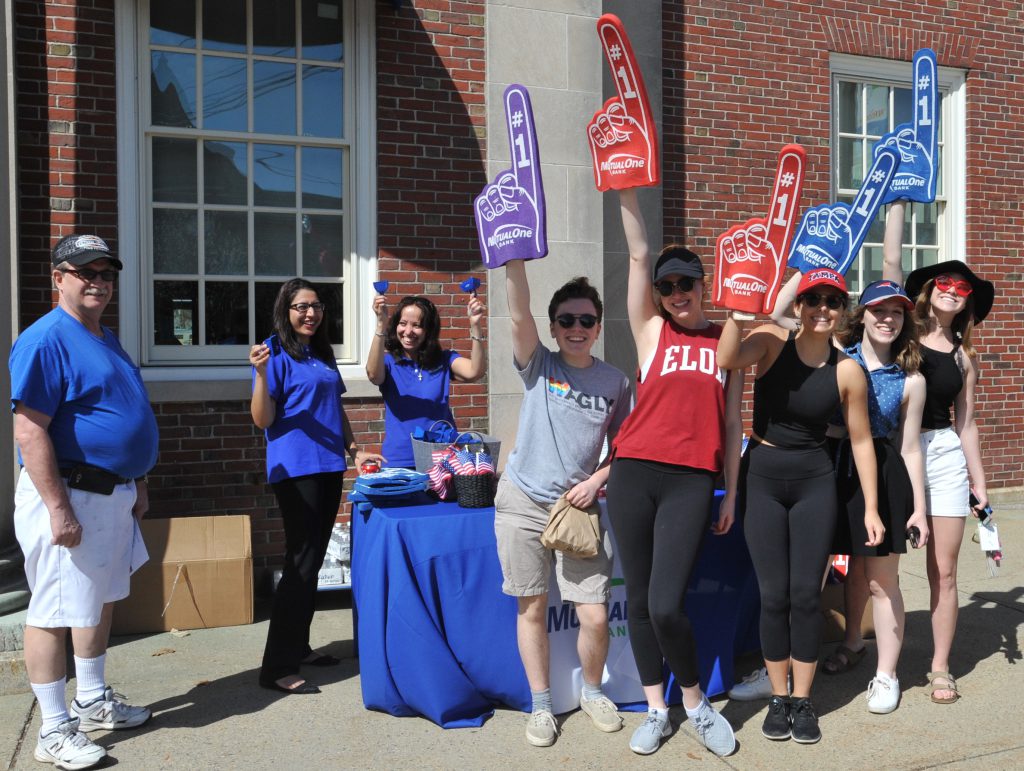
x=693 y=712
x=52 y=707
x=89 y=674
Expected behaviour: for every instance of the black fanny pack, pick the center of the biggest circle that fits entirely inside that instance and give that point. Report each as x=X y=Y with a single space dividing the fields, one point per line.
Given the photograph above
x=92 y=479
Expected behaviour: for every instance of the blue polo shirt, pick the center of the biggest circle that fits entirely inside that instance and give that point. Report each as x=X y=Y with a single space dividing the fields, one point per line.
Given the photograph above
x=307 y=435
x=92 y=391
x=412 y=397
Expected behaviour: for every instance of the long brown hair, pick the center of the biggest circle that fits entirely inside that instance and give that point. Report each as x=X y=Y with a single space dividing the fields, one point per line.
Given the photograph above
x=905 y=348
x=963 y=322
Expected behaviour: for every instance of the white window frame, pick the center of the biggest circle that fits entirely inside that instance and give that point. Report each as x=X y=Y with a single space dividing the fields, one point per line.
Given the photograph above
x=952 y=84
x=131 y=40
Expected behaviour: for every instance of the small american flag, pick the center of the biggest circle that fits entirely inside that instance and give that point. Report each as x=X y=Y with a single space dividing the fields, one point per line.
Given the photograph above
x=484 y=464
x=463 y=463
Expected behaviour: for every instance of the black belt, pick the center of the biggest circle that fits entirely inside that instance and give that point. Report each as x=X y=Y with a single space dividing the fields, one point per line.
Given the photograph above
x=76 y=473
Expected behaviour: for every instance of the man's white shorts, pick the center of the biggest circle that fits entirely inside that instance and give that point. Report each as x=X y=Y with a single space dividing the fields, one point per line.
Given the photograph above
x=945 y=470
x=71 y=586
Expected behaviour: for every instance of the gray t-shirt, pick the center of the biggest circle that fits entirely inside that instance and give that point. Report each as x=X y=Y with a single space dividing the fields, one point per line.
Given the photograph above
x=565 y=417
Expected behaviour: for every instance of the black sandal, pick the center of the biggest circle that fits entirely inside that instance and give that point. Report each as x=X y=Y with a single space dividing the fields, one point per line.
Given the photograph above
x=321 y=660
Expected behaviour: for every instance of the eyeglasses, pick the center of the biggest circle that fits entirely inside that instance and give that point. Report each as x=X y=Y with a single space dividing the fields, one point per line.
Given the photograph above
x=566 y=320
x=813 y=300
x=88 y=274
x=684 y=284
x=303 y=307
x=945 y=283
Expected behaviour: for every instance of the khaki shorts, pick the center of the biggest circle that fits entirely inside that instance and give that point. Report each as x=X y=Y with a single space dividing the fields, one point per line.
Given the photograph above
x=526 y=565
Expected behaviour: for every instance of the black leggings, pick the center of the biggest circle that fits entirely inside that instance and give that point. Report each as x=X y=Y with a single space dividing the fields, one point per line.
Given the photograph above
x=309 y=506
x=660 y=514
x=787 y=499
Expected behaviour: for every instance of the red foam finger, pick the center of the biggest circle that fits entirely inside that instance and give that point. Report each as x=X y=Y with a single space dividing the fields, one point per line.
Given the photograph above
x=626 y=73
x=785 y=200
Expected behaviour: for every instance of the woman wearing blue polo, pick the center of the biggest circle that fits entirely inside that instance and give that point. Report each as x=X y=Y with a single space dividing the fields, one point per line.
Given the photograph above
x=414 y=373
x=296 y=398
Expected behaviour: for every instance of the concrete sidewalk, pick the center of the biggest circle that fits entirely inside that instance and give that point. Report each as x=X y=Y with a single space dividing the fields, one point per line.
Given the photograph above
x=209 y=713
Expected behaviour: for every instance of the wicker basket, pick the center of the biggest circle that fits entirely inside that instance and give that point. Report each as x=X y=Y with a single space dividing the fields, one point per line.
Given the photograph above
x=472 y=440
x=475 y=491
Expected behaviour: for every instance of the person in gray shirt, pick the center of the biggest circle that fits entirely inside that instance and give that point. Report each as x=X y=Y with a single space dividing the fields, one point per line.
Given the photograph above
x=573 y=404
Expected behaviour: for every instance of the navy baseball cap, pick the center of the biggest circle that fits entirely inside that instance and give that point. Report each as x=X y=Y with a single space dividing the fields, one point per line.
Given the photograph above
x=883 y=290
x=81 y=250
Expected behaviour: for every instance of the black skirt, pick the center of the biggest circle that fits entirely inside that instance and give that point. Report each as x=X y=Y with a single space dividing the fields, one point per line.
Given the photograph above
x=895 y=501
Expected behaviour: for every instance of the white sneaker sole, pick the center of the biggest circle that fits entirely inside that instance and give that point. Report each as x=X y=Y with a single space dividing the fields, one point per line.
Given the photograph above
x=535 y=742
x=45 y=757
x=609 y=728
x=643 y=751
x=883 y=710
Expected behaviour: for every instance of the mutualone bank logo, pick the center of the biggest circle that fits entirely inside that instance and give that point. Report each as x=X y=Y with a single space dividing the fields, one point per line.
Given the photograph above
x=563 y=616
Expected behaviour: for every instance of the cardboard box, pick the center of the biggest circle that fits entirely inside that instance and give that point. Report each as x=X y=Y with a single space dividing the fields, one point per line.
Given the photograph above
x=199 y=570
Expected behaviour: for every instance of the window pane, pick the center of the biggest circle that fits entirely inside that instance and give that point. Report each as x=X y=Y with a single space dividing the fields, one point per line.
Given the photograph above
x=850 y=163
x=321 y=178
x=878 y=110
x=265 y=296
x=175 y=304
x=273 y=27
x=322 y=101
x=926 y=257
x=175 y=241
x=274 y=244
x=224 y=94
x=322 y=245
x=902 y=106
x=227 y=243
x=871 y=259
x=273 y=170
x=224 y=25
x=876 y=232
x=224 y=178
x=849 y=108
x=273 y=98
x=331 y=296
x=927 y=226
x=322 y=34
x=227 y=313
x=907 y=263
x=174 y=170
x=172 y=23
x=173 y=89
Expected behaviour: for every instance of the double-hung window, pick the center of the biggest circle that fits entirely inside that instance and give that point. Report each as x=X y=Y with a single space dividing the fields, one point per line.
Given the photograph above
x=870 y=97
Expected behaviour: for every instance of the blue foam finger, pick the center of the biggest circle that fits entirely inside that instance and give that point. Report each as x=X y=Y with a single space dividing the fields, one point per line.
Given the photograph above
x=380 y=286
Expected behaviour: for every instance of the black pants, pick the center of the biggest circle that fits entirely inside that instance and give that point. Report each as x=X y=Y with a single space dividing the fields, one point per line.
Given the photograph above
x=309 y=506
x=788 y=502
x=660 y=514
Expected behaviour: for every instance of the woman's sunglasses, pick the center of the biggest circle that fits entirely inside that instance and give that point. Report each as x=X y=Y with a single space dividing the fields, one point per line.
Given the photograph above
x=566 y=320
x=684 y=284
x=945 y=283
x=814 y=300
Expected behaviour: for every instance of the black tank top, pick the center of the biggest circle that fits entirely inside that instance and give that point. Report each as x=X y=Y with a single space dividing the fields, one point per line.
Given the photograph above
x=793 y=402
x=944 y=380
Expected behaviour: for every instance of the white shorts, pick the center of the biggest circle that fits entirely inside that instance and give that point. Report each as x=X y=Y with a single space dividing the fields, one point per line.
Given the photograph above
x=71 y=586
x=945 y=471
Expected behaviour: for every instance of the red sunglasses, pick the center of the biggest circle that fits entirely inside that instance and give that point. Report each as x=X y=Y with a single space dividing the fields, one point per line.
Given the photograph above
x=945 y=283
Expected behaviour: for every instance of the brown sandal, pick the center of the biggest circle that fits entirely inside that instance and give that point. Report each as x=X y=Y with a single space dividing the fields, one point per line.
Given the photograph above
x=842 y=659
x=949 y=685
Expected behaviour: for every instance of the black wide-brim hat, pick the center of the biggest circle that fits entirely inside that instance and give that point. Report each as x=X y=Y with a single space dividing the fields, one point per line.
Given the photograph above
x=984 y=292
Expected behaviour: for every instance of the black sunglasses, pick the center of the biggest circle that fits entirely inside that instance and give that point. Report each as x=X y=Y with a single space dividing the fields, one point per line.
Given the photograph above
x=566 y=320
x=88 y=274
x=303 y=307
x=685 y=284
x=813 y=299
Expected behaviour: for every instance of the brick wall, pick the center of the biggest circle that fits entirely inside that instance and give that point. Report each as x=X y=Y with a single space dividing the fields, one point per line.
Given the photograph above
x=430 y=61
x=742 y=78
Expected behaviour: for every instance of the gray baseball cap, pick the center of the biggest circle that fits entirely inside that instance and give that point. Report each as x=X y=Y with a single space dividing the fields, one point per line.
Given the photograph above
x=81 y=250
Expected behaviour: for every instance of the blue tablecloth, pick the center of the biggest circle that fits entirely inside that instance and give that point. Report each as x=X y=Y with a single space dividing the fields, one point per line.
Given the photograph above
x=438 y=638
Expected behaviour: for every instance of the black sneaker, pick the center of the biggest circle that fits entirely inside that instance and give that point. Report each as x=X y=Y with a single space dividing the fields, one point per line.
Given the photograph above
x=776 y=724
x=805 y=723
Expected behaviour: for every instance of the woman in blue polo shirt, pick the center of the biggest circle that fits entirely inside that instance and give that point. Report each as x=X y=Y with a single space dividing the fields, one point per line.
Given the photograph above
x=414 y=373
x=296 y=398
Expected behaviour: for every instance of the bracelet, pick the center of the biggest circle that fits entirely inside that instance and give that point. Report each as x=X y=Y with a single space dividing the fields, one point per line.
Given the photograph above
x=478 y=339
x=741 y=316
x=378 y=334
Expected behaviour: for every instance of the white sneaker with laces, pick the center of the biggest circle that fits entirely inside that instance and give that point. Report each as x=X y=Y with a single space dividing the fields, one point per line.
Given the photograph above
x=109 y=713
x=714 y=730
x=541 y=729
x=755 y=686
x=883 y=694
x=67 y=747
x=603 y=713
x=647 y=737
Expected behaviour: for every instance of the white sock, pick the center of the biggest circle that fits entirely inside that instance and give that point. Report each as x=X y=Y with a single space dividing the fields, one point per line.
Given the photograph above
x=693 y=712
x=661 y=713
x=89 y=674
x=52 y=707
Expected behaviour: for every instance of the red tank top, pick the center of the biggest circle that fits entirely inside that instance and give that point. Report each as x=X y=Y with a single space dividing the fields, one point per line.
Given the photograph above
x=679 y=416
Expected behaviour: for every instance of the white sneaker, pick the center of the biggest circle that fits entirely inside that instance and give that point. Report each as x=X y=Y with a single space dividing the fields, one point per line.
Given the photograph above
x=883 y=694
x=603 y=713
x=67 y=747
x=541 y=729
x=647 y=737
x=108 y=713
x=756 y=686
